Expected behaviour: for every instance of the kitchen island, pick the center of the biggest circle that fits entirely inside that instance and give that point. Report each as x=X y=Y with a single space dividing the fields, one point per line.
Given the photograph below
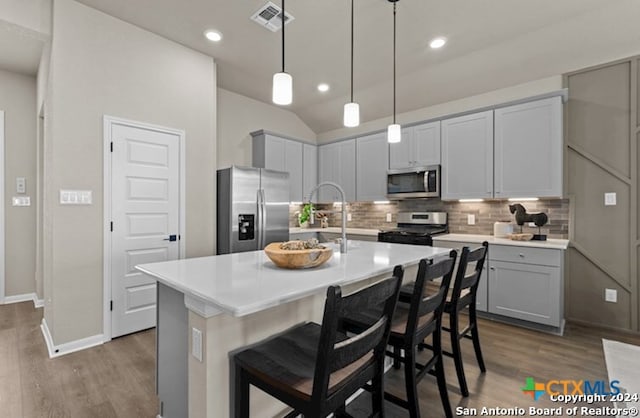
x=210 y=306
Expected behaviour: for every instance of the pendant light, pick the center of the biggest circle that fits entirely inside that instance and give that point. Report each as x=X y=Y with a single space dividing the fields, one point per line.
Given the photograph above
x=282 y=81
x=351 y=117
x=394 y=131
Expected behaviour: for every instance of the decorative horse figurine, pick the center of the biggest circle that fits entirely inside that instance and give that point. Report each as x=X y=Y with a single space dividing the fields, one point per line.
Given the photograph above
x=522 y=216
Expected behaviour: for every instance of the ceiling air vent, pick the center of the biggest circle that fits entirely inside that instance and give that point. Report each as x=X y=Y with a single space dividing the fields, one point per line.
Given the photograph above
x=269 y=16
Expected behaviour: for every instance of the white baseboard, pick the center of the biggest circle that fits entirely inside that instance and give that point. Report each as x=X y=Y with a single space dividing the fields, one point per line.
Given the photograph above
x=37 y=303
x=70 y=347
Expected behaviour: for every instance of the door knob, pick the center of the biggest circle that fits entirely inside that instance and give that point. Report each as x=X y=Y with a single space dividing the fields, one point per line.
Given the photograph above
x=171 y=238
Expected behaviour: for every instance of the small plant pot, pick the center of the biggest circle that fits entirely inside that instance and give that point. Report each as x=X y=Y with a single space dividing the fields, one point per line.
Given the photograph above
x=304 y=224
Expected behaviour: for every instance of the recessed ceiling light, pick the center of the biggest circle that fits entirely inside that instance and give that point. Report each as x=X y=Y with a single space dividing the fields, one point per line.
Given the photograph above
x=437 y=43
x=213 y=36
x=323 y=87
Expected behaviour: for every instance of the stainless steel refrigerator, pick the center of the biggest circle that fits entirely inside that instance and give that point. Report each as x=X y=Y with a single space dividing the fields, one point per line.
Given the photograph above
x=253 y=208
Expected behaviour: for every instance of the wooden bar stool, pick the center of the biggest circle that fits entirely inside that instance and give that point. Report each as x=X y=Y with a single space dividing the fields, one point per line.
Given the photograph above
x=461 y=296
x=411 y=324
x=315 y=368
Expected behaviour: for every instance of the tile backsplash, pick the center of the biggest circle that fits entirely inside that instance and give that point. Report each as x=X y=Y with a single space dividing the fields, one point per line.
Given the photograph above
x=373 y=216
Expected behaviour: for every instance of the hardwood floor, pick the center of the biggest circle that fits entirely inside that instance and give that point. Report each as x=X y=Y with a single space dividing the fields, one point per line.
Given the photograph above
x=117 y=379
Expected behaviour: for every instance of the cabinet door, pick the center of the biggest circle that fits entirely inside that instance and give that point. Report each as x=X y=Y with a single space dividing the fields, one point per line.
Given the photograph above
x=293 y=166
x=327 y=171
x=426 y=139
x=467 y=156
x=371 y=165
x=525 y=291
x=309 y=169
x=402 y=154
x=274 y=153
x=528 y=149
x=347 y=173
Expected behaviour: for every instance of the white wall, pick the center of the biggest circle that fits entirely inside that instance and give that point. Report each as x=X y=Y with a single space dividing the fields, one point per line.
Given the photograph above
x=31 y=14
x=491 y=98
x=239 y=115
x=18 y=100
x=101 y=65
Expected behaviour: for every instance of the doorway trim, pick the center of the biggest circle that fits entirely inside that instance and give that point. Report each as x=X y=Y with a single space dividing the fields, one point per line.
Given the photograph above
x=108 y=123
x=2 y=280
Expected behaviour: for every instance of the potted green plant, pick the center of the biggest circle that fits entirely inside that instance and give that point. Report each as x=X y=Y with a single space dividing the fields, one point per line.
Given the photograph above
x=305 y=215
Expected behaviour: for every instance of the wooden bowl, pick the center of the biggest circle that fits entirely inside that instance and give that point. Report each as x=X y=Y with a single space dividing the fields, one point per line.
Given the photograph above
x=520 y=237
x=297 y=259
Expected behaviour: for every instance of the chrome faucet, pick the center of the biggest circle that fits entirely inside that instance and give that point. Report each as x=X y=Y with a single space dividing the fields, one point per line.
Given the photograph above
x=343 y=243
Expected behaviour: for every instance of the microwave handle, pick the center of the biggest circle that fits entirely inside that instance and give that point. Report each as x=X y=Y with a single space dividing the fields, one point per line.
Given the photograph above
x=425 y=180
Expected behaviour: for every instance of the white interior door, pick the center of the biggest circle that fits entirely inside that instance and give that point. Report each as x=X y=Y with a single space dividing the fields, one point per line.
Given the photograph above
x=145 y=202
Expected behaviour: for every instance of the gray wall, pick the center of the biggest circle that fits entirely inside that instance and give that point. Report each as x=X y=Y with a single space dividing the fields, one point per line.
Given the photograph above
x=602 y=156
x=101 y=65
x=18 y=100
x=239 y=115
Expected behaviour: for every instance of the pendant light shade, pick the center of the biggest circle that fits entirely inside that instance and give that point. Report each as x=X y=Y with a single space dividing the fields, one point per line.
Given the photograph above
x=351 y=116
x=394 y=131
x=282 y=82
x=282 y=88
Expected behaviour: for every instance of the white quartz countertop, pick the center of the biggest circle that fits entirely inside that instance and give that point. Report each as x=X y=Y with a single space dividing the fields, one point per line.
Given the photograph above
x=244 y=283
x=335 y=230
x=551 y=243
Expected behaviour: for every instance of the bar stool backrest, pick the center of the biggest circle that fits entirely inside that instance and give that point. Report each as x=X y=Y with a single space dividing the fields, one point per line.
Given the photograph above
x=335 y=354
x=426 y=310
x=468 y=281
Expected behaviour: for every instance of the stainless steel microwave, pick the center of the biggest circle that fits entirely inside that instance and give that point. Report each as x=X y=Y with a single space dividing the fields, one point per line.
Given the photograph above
x=418 y=182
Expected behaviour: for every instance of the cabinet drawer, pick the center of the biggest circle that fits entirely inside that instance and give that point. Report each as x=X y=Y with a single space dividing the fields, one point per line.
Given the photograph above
x=525 y=255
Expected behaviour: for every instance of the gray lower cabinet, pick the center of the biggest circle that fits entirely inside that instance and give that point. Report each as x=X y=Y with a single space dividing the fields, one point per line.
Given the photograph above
x=526 y=284
x=330 y=236
x=481 y=296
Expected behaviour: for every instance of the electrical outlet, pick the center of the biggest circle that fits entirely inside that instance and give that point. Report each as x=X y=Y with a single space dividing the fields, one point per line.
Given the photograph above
x=196 y=343
x=471 y=219
x=348 y=217
x=388 y=217
x=531 y=224
x=611 y=295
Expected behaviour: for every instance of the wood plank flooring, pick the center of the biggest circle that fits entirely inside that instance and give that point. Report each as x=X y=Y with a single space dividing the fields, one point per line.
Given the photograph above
x=117 y=379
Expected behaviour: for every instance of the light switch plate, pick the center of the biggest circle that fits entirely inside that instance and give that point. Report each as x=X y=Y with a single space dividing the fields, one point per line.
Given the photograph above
x=21 y=185
x=388 y=217
x=610 y=199
x=76 y=197
x=348 y=217
x=21 y=201
x=196 y=343
x=471 y=219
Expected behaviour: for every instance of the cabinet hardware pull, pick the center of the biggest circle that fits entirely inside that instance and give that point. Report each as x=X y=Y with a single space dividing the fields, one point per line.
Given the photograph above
x=492 y=268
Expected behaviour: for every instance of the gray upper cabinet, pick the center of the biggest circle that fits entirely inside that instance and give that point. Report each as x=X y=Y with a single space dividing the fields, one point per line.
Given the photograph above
x=420 y=147
x=309 y=168
x=371 y=165
x=337 y=163
x=281 y=154
x=528 y=149
x=467 y=156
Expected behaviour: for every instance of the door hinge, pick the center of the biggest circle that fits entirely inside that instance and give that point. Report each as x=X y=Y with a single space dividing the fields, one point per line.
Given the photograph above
x=111 y=305
x=111 y=146
x=111 y=226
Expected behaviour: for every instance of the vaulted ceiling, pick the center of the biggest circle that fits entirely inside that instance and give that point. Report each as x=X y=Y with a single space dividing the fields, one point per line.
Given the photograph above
x=491 y=44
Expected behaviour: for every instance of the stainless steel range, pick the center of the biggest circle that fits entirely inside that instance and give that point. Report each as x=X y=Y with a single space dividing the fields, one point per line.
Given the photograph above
x=416 y=228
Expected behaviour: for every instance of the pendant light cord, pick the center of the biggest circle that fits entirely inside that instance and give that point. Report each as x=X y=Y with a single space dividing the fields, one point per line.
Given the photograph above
x=351 y=51
x=284 y=16
x=394 y=62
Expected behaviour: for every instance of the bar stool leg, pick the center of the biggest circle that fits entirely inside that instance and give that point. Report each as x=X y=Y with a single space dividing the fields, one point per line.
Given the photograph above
x=475 y=337
x=442 y=383
x=241 y=394
x=377 y=392
x=457 y=351
x=410 y=382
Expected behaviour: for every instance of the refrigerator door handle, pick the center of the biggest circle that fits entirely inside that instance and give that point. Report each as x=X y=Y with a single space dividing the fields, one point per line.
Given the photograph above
x=259 y=231
x=263 y=227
